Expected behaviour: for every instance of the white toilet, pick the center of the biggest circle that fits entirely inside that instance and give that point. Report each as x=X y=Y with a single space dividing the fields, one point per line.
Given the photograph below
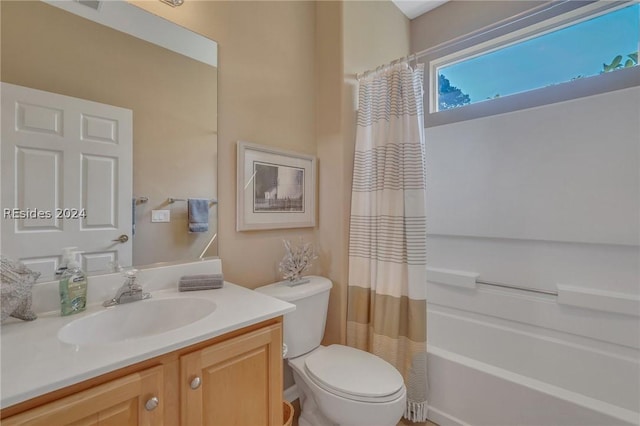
x=338 y=385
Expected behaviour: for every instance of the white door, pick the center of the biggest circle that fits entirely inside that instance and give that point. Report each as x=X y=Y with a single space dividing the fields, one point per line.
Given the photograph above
x=66 y=179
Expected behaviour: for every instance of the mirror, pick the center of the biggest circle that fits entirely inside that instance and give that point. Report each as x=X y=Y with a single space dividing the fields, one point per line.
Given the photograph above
x=172 y=104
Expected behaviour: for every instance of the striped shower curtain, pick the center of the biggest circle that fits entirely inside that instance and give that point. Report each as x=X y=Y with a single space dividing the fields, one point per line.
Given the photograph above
x=386 y=312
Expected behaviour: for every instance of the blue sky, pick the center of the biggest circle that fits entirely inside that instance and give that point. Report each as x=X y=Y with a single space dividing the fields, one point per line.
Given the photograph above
x=552 y=58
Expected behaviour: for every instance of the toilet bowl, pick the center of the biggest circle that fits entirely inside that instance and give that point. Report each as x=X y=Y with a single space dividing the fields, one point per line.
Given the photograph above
x=335 y=398
x=337 y=385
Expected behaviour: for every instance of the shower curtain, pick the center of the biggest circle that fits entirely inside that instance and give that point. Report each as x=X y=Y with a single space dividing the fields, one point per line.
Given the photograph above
x=386 y=312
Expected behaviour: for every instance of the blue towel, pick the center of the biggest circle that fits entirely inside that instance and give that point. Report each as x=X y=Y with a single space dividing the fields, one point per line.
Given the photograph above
x=133 y=215
x=198 y=214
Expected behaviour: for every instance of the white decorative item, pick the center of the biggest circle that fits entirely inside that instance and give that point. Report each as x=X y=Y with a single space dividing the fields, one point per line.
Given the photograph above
x=15 y=286
x=296 y=260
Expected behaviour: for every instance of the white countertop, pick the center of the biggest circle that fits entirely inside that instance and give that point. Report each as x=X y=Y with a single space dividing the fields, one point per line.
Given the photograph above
x=35 y=362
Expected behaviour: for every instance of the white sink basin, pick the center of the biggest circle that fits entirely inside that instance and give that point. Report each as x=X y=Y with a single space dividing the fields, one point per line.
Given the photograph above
x=136 y=319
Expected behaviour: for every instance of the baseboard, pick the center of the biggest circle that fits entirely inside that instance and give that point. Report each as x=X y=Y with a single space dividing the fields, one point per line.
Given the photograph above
x=443 y=419
x=291 y=393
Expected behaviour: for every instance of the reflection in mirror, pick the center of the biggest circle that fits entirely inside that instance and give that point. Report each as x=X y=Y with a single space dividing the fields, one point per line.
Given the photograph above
x=104 y=128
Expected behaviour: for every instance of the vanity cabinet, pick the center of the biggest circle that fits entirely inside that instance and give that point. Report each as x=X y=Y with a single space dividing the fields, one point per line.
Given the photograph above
x=127 y=401
x=237 y=382
x=233 y=379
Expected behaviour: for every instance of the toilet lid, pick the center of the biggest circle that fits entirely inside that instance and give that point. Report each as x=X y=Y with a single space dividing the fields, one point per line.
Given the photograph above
x=353 y=372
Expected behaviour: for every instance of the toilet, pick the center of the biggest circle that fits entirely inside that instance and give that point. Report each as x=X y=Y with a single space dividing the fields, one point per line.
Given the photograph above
x=338 y=385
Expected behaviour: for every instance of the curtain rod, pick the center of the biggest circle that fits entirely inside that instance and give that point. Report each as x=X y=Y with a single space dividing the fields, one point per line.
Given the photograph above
x=475 y=34
x=407 y=58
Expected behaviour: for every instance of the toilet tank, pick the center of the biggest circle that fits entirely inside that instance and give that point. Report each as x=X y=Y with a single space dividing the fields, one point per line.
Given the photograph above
x=304 y=327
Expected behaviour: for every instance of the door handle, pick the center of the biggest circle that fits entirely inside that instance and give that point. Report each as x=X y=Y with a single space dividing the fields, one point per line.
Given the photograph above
x=121 y=239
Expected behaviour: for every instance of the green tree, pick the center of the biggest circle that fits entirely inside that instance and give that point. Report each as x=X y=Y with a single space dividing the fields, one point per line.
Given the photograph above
x=450 y=96
x=616 y=63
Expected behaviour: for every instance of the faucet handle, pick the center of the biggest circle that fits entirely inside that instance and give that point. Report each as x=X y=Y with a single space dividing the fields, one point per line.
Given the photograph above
x=131 y=273
x=130 y=291
x=130 y=276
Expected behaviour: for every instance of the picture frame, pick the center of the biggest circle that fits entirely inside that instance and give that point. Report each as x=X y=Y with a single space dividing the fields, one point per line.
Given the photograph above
x=276 y=189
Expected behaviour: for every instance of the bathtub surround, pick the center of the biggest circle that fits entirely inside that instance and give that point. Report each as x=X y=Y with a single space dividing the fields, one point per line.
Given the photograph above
x=576 y=345
x=386 y=310
x=547 y=198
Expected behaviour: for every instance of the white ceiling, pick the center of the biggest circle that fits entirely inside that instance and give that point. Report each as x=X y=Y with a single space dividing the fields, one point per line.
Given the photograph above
x=415 y=8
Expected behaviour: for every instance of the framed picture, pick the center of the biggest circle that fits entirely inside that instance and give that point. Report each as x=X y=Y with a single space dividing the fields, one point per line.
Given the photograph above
x=276 y=188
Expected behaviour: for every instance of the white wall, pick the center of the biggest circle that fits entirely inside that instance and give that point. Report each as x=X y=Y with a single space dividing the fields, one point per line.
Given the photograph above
x=561 y=172
x=548 y=198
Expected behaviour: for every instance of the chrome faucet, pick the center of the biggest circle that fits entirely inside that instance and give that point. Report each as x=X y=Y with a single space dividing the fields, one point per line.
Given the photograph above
x=130 y=291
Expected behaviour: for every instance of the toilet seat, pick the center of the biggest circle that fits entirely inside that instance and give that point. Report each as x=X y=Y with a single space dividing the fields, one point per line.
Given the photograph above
x=354 y=374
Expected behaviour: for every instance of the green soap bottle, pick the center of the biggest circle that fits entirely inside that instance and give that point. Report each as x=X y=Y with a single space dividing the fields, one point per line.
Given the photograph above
x=73 y=289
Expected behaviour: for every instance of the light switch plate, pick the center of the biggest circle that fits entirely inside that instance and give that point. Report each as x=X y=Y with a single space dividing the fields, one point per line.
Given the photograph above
x=160 y=216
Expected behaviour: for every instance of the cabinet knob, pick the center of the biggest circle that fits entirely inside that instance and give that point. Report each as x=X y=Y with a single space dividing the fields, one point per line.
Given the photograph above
x=152 y=404
x=195 y=383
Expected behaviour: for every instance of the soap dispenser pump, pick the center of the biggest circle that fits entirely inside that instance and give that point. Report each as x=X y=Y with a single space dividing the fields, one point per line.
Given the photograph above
x=68 y=255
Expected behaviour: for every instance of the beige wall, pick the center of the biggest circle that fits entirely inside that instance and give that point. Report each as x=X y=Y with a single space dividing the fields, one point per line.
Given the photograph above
x=286 y=79
x=333 y=229
x=173 y=99
x=266 y=95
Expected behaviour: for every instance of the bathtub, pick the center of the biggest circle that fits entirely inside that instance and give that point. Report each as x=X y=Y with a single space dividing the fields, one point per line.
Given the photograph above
x=507 y=357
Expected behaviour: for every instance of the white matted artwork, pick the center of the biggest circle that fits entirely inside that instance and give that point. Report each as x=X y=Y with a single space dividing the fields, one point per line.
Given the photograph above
x=276 y=188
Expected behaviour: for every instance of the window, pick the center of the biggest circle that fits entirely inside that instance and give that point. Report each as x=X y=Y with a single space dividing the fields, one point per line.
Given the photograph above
x=566 y=48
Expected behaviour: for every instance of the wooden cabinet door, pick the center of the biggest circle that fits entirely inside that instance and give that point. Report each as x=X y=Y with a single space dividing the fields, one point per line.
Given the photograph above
x=237 y=382
x=120 y=402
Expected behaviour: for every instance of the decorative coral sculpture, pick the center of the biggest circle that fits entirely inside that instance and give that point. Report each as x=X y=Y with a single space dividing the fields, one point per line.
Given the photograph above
x=296 y=260
x=16 y=282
